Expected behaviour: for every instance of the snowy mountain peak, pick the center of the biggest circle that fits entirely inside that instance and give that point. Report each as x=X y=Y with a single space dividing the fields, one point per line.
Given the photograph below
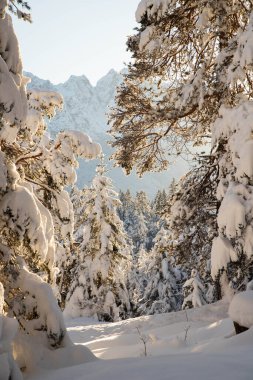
x=78 y=87
x=77 y=80
x=105 y=87
x=111 y=76
x=40 y=84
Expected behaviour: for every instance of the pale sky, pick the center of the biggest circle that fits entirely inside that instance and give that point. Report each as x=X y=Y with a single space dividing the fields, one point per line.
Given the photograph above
x=76 y=37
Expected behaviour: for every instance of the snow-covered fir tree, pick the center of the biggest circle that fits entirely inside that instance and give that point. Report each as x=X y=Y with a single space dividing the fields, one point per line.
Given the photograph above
x=138 y=278
x=194 y=291
x=139 y=218
x=99 y=278
x=191 y=219
x=151 y=218
x=172 y=188
x=27 y=238
x=190 y=80
x=160 y=201
x=49 y=175
x=134 y=222
x=232 y=260
x=125 y=206
x=161 y=291
x=232 y=251
x=33 y=173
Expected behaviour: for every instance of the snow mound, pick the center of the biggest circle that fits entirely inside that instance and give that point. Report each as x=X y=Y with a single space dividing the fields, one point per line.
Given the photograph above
x=241 y=308
x=35 y=356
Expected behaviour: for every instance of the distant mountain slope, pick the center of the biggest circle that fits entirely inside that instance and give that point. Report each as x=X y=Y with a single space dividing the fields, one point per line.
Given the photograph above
x=85 y=108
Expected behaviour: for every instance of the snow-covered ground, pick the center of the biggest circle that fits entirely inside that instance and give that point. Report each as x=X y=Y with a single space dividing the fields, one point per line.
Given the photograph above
x=199 y=344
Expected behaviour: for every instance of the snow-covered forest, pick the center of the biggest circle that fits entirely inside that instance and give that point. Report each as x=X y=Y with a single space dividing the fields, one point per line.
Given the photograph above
x=156 y=286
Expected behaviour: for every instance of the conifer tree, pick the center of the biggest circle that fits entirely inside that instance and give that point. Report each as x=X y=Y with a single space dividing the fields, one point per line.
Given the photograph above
x=142 y=204
x=171 y=95
x=149 y=215
x=137 y=279
x=160 y=202
x=161 y=292
x=194 y=291
x=99 y=278
x=126 y=205
x=27 y=237
x=190 y=216
x=33 y=203
x=191 y=79
x=135 y=214
x=172 y=188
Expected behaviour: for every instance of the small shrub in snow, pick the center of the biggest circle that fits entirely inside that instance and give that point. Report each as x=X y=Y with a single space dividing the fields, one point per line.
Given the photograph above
x=144 y=339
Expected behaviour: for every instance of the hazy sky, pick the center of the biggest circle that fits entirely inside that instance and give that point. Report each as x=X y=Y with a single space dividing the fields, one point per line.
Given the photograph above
x=76 y=37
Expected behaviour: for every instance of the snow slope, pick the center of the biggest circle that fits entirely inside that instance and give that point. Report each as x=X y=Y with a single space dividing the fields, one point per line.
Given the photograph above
x=85 y=110
x=198 y=345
